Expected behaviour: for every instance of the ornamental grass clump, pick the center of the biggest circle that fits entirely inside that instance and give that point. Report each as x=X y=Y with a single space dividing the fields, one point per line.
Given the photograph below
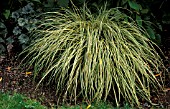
x=94 y=56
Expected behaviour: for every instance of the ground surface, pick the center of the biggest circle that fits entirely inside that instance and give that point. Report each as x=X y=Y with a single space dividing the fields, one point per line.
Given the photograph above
x=13 y=79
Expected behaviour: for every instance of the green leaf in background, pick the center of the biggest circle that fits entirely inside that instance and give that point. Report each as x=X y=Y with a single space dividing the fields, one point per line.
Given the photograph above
x=17 y=30
x=6 y=13
x=28 y=9
x=10 y=40
x=139 y=20
x=166 y=18
x=1 y=40
x=151 y=32
x=159 y=26
x=2 y=26
x=23 y=39
x=50 y=3
x=158 y=39
x=2 y=49
x=22 y=21
x=30 y=27
x=82 y=1
x=144 y=11
x=15 y=15
x=63 y=3
x=24 y=46
x=124 y=2
x=146 y=18
x=3 y=30
x=134 y=5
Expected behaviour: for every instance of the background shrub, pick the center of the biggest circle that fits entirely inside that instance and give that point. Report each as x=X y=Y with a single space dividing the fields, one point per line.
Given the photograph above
x=15 y=27
x=150 y=14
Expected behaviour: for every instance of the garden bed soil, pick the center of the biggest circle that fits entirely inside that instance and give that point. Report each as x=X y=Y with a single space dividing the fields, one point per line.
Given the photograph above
x=13 y=79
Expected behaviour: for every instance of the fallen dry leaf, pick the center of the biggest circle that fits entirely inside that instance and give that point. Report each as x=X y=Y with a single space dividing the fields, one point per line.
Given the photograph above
x=28 y=73
x=8 y=69
x=166 y=89
x=158 y=75
x=0 y=79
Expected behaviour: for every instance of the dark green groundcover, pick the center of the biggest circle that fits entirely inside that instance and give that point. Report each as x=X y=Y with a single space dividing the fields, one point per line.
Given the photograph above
x=18 y=101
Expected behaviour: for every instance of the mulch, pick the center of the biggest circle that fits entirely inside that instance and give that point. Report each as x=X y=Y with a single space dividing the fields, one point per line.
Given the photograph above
x=13 y=79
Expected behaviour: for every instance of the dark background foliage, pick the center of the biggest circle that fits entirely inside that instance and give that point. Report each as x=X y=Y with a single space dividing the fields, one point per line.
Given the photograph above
x=18 y=17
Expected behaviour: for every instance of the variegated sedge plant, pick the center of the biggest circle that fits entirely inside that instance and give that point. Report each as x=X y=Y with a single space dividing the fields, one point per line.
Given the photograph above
x=94 y=56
